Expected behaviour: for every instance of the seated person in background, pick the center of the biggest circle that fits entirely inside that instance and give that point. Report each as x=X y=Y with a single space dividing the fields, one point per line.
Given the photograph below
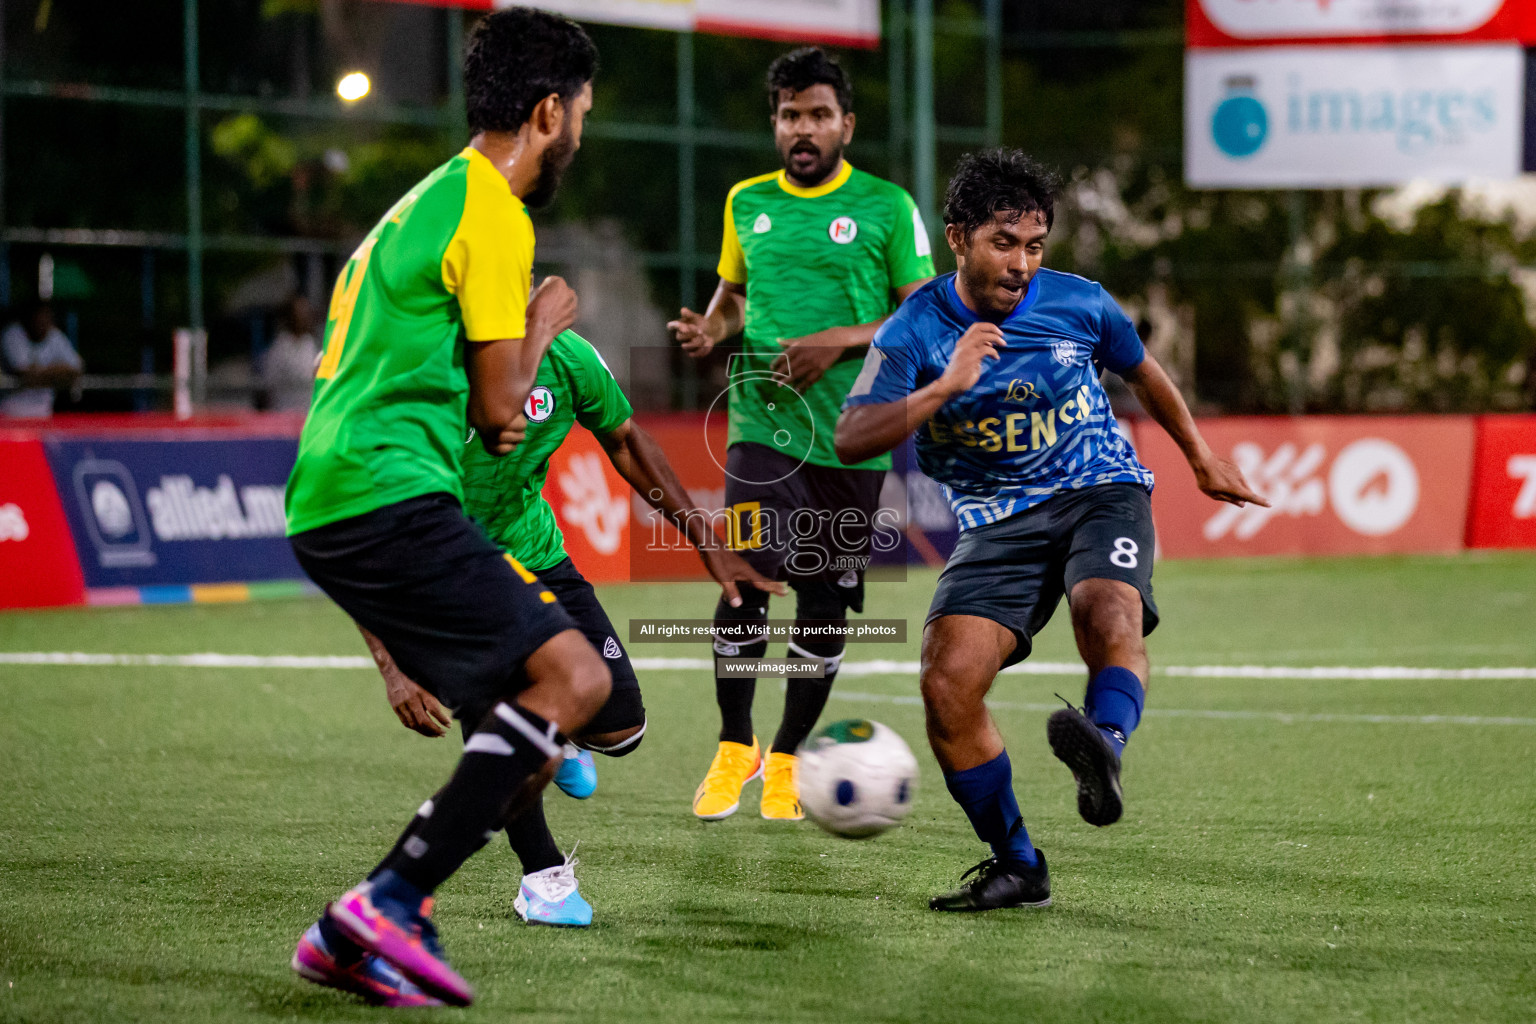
x=288 y=365
x=39 y=355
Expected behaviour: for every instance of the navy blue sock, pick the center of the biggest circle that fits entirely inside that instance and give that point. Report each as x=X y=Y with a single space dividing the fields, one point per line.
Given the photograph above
x=344 y=950
x=985 y=793
x=1113 y=703
x=389 y=886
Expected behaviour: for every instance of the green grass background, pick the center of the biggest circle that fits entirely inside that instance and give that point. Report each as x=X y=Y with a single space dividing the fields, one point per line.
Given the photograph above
x=167 y=833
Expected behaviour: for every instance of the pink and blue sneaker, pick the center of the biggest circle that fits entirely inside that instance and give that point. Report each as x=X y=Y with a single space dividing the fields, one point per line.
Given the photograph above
x=577 y=775
x=388 y=916
x=550 y=897
x=366 y=975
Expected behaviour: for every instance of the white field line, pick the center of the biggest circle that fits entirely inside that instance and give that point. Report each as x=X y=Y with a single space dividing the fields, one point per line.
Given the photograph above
x=879 y=667
x=867 y=668
x=874 y=667
x=1285 y=717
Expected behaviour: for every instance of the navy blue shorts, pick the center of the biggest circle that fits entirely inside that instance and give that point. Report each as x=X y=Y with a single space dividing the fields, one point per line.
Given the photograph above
x=458 y=616
x=1015 y=571
x=624 y=709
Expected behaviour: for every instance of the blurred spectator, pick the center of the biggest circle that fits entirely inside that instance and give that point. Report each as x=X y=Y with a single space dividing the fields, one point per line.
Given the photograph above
x=36 y=352
x=288 y=366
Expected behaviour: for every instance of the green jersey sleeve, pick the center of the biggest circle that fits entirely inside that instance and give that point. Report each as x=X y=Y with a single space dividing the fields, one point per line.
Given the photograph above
x=908 y=253
x=600 y=403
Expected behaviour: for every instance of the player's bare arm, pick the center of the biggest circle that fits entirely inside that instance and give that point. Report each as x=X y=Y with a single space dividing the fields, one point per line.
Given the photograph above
x=1219 y=478
x=865 y=431
x=699 y=333
x=417 y=709
x=806 y=359
x=643 y=463
x=502 y=373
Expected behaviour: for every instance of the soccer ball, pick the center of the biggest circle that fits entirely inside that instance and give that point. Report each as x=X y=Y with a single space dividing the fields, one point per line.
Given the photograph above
x=857 y=778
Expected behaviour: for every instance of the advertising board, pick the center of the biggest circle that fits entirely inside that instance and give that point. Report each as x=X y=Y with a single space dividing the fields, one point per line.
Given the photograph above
x=1503 y=513
x=836 y=22
x=1337 y=117
x=150 y=512
x=1338 y=485
x=38 y=567
x=1267 y=22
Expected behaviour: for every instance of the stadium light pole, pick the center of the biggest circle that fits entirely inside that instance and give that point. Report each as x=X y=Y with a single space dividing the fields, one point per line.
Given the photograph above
x=194 y=164
x=896 y=76
x=687 y=215
x=994 y=29
x=5 y=247
x=457 y=115
x=924 y=145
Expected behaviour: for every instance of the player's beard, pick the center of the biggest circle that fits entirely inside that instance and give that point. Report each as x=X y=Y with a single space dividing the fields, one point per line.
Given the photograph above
x=551 y=168
x=818 y=172
x=985 y=290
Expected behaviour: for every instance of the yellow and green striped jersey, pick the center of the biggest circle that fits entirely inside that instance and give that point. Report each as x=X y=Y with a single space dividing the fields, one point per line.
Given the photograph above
x=453 y=259
x=505 y=495
x=812 y=258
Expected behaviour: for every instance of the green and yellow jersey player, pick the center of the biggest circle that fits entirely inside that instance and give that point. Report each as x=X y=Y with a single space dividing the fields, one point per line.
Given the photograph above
x=431 y=324
x=505 y=496
x=815 y=256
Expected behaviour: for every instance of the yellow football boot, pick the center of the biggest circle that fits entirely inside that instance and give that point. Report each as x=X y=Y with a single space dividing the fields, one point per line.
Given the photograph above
x=781 y=788
x=735 y=765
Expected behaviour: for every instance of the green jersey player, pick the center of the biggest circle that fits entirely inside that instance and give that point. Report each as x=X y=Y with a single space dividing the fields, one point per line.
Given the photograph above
x=505 y=496
x=815 y=256
x=430 y=326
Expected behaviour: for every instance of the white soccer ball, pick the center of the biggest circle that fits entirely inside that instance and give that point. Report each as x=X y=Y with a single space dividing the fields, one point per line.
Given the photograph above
x=857 y=778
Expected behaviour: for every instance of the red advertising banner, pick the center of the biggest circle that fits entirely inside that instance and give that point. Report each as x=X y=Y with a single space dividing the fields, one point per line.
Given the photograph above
x=38 y=566
x=1339 y=485
x=1221 y=23
x=1504 y=484
x=591 y=503
x=696 y=448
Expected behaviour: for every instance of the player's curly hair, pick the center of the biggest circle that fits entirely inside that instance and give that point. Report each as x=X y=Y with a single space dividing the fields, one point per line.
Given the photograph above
x=994 y=181
x=516 y=57
x=800 y=69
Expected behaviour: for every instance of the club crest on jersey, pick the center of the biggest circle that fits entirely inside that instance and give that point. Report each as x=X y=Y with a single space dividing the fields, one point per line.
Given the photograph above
x=1065 y=352
x=540 y=405
x=611 y=649
x=843 y=230
x=762 y=225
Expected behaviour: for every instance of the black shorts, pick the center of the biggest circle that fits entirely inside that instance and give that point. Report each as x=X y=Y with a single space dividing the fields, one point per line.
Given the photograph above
x=624 y=709
x=1016 y=570
x=458 y=616
x=801 y=523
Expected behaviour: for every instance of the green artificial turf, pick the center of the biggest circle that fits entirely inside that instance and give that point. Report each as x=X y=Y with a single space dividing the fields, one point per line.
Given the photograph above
x=167 y=833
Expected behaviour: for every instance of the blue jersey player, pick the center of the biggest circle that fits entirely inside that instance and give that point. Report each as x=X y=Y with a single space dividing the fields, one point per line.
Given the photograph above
x=996 y=367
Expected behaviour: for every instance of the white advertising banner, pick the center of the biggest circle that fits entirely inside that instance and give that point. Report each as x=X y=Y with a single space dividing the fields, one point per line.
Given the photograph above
x=1272 y=19
x=838 y=22
x=1335 y=117
x=670 y=14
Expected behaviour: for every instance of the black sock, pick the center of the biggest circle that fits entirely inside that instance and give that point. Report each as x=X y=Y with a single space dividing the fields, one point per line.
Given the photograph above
x=532 y=841
x=739 y=633
x=804 y=698
x=422 y=814
x=503 y=763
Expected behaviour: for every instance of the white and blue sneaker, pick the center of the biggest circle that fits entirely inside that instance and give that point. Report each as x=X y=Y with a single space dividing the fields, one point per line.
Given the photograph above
x=577 y=776
x=550 y=897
